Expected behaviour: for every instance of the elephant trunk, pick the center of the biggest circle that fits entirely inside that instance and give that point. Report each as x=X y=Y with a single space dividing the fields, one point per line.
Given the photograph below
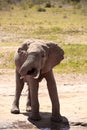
x=29 y=69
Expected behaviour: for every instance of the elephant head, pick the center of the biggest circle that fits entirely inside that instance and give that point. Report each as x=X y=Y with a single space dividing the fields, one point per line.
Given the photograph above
x=37 y=57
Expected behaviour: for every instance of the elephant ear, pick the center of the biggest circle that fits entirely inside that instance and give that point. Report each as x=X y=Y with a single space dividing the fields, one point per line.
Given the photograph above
x=55 y=56
x=21 y=54
x=23 y=48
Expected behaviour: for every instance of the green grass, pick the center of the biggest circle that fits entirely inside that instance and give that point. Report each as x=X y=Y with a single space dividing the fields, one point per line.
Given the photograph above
x=66 y=26
x=75 y=59
x=7 y=60
x=54 y=24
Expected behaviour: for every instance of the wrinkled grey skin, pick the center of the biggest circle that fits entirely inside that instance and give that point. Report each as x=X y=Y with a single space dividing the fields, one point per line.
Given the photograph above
x=34 y=61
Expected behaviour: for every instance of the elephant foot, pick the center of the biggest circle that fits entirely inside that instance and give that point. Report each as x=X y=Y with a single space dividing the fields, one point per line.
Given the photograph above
x=28 y=108
x=15 y=110
x=57 y=119
x=35 y=117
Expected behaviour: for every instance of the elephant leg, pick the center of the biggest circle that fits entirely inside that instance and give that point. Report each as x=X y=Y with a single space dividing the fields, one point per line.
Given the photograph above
x=28 y=105
x=33 y=84
x=52 y=89
x=19 y=87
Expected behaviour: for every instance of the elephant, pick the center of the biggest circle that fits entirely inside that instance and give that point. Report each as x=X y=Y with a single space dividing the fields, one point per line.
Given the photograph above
x=34 y=60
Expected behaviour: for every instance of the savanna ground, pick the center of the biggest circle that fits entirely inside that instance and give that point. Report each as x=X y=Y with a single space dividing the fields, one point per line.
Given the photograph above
x=68 y=27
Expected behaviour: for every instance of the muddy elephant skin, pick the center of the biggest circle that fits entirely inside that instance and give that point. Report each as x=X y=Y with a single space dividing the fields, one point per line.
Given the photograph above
x=34 y=61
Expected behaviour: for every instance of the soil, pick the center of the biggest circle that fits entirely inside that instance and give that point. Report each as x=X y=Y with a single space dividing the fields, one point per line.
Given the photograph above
x=72 y=90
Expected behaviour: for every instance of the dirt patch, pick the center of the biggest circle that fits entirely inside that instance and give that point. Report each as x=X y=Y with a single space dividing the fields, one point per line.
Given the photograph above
x=82 y=39
x=73 y=97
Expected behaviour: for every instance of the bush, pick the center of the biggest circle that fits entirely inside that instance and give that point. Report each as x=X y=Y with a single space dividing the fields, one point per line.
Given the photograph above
x=40 y=9
x=48 y=5
x=76 y=1
x=60 y=6
x=10 y=1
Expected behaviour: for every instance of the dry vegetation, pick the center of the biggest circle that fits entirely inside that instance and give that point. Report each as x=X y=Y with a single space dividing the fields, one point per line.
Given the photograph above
x=63 y=23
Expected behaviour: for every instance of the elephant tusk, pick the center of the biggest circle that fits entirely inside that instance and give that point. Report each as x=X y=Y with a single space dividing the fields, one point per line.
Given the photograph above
x=22 y=77
x=37 y=76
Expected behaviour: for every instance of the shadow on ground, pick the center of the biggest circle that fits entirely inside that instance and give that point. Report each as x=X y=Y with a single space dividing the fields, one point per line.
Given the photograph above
x=46 y=124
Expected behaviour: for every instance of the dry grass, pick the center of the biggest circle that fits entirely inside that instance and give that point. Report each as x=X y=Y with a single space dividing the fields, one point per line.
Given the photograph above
x=67 y=26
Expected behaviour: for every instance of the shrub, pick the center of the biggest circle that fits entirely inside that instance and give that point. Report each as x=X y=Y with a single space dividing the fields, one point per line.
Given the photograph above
x=76 y=1
x=48 y=5
x=40 y=9
x=60 y=6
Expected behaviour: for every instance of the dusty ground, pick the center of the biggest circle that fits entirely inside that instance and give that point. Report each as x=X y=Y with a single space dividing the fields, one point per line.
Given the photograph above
x=73 y=99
